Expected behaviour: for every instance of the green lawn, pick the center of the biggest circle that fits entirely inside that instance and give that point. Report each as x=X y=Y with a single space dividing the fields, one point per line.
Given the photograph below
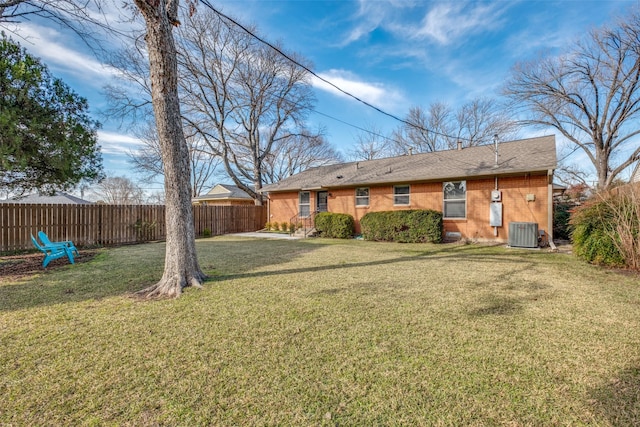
x=321 y=332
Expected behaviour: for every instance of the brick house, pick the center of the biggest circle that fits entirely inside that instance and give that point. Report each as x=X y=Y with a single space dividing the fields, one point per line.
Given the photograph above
x=224 y=195
x=478 y=195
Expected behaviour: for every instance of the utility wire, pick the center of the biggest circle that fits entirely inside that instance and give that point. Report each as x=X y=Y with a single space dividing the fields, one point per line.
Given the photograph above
x=313 y=73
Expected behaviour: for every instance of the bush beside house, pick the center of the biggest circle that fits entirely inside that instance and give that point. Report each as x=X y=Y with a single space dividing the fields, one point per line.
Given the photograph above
x=406 y=226
x=335 y=225
x=561 y=219
x=606 y=229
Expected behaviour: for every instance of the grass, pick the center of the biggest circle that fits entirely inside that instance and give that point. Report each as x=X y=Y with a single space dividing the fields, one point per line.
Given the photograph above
x=321 y=332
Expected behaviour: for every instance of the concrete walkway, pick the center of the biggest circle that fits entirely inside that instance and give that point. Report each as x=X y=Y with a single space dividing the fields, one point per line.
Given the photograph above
x=257 y=235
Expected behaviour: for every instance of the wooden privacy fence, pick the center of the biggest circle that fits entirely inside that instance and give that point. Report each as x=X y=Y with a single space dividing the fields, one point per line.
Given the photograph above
x=107 y=225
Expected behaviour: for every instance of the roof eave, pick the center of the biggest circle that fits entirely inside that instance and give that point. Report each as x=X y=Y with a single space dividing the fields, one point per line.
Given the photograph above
x=485 y=174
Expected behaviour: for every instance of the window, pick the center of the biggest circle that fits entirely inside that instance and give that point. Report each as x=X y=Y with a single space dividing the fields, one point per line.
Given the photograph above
x=362 y=196
x=401 y=194
x=304 y=204
x=455 y=199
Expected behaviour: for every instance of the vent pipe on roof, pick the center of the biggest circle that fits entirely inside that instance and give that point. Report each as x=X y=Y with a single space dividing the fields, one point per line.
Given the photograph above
x=410 y=151
x=459 y=145
x=495 y=141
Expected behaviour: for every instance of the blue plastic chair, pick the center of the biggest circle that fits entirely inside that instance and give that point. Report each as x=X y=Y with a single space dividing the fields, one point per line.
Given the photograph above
x=46 y=242
x=53 y=252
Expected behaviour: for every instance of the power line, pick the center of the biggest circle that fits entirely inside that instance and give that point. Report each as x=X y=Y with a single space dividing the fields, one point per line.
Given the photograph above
x=313 y=73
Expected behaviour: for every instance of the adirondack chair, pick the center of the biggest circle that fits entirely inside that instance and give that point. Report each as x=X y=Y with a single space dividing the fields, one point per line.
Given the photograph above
x=53 y=252
x=46 y=242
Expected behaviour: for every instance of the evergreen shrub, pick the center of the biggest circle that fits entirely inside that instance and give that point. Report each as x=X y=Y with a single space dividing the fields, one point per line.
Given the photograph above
x=592 y=240
x=606 y=229
x=561 y=218
x=406 y=226
x=335 y=225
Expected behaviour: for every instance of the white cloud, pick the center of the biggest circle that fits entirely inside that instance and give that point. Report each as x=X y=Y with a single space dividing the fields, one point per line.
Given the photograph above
x=376 y=94
x=117 y=144
x=448 y=22
x=55 y=50
x=372 y=15
x=445 y=23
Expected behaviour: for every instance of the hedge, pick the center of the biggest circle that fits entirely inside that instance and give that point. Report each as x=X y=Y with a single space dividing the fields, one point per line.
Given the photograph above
x=406 y=226
x=335 y=225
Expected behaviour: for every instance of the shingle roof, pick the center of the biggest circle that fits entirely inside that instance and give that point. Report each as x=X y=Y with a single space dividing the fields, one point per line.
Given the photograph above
x=526 y=155
x=56 y=199
x=225 y=192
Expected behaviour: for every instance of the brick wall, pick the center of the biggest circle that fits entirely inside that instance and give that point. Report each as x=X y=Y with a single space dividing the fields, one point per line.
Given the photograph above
x=516 y=207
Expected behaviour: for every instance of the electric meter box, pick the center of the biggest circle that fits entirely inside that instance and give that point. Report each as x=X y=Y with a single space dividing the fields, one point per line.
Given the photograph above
x=496 y=196
x=495 y=215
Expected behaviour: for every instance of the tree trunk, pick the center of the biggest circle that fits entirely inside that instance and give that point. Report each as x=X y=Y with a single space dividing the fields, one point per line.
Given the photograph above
x=602 y=169
x=181 y=266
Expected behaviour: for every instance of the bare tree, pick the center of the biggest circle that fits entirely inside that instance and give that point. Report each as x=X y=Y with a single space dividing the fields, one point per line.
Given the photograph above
x=57 y=10
x=480 y=119
x=371 y=144
x=88 y=18
x=590 y=95
x=432 y=130
x=118 y=190
x=181 y=267
x=571 y=174
x=148 y=161
x=296 y=154
x=440 y=128
x=156 y=198
x=241 y=97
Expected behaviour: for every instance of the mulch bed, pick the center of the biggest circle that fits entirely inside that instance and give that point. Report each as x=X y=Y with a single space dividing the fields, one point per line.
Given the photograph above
x=16 y=267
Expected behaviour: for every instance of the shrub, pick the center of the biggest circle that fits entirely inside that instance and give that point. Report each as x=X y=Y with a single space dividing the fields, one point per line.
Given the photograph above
x=275 y=226
x=267 y=226
x=292 y=228
x=322 y=223
x=206 y=232
x=144 y=230
x=561 y=218
x=335 y=225
x=407 y=226
x=607 y=229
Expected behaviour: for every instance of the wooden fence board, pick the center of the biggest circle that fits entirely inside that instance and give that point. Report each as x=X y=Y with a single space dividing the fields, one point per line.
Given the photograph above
x=107 y=225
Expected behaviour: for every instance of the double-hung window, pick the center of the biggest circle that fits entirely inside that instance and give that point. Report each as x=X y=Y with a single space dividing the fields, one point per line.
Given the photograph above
x=362 y=196
x=304 y=204
x=401 y=194
x=455 y=199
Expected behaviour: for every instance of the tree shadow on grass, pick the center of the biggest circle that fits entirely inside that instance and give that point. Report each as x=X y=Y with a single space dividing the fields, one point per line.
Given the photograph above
x=498 y=306
x=127 y=269
x=124 y=270
x=431 y=255
x=618 y=400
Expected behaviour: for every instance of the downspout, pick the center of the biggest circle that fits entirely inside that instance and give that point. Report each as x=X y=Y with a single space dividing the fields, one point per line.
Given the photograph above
x=550 y=209
x=268 y=207
x=495 y=229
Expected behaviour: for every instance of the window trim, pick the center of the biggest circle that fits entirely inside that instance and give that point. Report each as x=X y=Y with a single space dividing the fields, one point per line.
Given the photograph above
x=445 y=200
x=407 y=195
x=367 y=197
x=300 y=204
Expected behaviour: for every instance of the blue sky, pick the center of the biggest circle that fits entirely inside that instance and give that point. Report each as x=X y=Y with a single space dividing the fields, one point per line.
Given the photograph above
x=394 y=54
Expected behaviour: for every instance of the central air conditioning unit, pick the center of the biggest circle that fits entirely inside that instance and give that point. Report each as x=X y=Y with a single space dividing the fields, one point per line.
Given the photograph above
x=523 y=234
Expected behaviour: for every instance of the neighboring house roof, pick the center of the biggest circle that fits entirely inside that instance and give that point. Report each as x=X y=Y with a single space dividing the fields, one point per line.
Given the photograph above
x=224 y=192
x=522 y=156
x=559 y=188
x=59 y=198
